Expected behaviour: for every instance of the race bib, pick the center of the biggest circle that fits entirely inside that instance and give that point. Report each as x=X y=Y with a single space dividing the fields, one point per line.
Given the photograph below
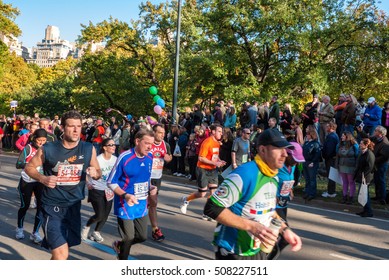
x=286 y=188
x=245 y=158
x=157 y=169
x=109 y=194
x=69 y=174
x=141 y=190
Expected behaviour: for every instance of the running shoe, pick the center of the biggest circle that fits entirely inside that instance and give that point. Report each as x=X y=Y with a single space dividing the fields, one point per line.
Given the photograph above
x=157 y=235
x=19 y=233
x=116 y=248
x=207 y=218
x=35 y=237
x=95 y=236
x=184 y=205
x=33 y=203
x=84 y=233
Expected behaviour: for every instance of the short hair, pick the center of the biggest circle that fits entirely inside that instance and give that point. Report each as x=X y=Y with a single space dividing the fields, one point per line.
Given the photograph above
x=158 y=125
x=215 y=126
x=72 y=114
x=144 y=132
x=381 y=130
x=368 y=143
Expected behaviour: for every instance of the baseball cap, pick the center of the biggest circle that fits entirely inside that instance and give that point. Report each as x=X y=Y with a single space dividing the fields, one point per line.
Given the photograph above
x=273 y=137
x=371 y=100
x=297 y=152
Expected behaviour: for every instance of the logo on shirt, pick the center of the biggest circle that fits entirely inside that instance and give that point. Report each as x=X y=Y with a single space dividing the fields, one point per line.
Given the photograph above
x=222 y=191
x=81 y=157
x=142 y=164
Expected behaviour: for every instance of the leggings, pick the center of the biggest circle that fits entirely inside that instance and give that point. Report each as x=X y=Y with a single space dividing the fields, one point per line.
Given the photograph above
x=25 y=192
x=132 y=232
x=101 y=206
x=348 y=184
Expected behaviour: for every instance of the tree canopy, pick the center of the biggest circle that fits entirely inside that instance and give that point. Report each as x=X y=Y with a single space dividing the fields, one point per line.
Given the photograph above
x=241 y=50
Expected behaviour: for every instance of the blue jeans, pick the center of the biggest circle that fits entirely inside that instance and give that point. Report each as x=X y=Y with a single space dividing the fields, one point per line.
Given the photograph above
x=380 y=180
x=310 y=174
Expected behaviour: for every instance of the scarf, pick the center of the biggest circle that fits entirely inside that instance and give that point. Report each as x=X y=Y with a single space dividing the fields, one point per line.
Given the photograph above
x=265 y=169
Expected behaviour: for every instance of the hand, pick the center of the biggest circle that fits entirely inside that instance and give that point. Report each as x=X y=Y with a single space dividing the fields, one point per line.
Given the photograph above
x=49 y=181
x=293 y=239
x=310 y=165
x=91 y=171
x=131 y=199
x=167 y=157
x=267 y=236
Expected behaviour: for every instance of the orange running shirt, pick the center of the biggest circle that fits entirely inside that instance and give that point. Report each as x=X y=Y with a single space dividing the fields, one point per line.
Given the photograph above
x=209 y=149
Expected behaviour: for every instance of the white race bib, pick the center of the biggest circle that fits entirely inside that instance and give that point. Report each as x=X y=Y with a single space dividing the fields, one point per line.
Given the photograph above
x=69 y=174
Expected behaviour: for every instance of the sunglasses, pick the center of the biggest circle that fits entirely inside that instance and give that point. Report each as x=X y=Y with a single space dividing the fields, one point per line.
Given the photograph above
x=110 y=145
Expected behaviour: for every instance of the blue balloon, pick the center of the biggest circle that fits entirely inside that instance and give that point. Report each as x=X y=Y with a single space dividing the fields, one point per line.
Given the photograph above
x=161 y=103
x=129 y=117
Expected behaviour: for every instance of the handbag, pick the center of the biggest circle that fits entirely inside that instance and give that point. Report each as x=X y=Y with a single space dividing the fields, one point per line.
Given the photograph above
x=177 y=151
x=363 y=192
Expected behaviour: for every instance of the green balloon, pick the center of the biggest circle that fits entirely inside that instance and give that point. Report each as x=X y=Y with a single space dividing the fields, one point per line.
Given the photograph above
x=156 y=98
x=153 y=90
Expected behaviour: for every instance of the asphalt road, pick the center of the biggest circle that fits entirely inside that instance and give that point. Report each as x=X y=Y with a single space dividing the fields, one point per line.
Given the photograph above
x=327 y=234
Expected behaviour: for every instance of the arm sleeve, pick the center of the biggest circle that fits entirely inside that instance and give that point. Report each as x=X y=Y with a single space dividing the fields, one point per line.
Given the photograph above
x=212 y=210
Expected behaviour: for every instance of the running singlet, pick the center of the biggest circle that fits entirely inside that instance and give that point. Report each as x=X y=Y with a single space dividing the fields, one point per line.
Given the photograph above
x=209 y=149
x=29 y=152
x=158 y=151
x=69 y=165
x=257 y=201
x=131 y=174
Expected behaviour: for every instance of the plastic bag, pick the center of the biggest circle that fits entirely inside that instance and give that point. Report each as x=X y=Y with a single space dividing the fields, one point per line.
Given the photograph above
x=177 y=151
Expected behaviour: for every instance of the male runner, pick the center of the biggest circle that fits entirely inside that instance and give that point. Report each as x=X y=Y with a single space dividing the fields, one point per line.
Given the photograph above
x=65 y=165
x=161 y=154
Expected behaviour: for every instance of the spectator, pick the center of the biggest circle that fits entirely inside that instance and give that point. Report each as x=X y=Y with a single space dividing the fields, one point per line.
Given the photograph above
x=346 y=157
x=328 y=153
x=365 y=167
x=372 y=116
x=338 y=108
x=326 y=114
x=311 y=152
x=348 y=117
x=381 y=153
x=275 y=109
x=385 y=116
x=230 y=119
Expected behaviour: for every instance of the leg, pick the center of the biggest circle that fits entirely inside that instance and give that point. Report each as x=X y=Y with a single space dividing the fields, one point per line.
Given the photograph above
x=25 y=191
x=60 y=253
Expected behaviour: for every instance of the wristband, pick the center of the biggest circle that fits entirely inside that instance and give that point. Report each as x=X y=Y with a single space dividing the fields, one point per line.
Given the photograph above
x=282 y=231
x=123 y=195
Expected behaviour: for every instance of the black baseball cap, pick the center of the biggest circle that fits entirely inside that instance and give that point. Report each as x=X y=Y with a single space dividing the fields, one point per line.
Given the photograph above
x=273 y=137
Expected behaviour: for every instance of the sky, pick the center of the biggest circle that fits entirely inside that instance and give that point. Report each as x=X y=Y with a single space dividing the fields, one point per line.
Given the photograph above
x=67 y=15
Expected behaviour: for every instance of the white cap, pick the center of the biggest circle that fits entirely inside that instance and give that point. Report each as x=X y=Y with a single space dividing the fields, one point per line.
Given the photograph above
x=371 y=100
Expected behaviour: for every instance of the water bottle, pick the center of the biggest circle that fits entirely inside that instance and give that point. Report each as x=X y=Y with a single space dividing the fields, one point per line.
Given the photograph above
x=275 y=225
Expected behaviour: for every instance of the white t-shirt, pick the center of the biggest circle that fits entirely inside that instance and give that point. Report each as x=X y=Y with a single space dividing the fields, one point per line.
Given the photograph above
x=106 y=167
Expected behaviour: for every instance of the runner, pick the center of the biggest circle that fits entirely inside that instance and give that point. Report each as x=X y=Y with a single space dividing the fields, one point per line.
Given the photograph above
x=99 y=194
x=130 y=181
x=65 y=165
x=207 y=173
x=28 y=185
x=161 y=154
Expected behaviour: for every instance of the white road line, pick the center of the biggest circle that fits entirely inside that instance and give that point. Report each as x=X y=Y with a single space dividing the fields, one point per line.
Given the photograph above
x=10 y=175
x=342 y=257
x=334 y=211
x=291 y=204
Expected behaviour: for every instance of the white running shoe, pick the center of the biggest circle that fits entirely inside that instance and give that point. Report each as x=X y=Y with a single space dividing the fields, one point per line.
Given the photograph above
x=184 y=205
x=36 y=237
x=84 y=233
x=95 y=236
x=19 y=233
x=33 y=203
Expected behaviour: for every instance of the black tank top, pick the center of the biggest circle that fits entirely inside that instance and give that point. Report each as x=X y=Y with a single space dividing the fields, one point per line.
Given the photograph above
x=69 y=165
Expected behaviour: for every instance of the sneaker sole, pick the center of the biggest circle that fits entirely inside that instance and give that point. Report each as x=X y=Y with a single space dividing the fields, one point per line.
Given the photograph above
x=158 y=240
x=95 y=240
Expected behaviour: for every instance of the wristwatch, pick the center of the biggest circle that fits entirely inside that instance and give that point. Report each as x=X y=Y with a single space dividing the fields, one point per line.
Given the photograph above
x=124 y=195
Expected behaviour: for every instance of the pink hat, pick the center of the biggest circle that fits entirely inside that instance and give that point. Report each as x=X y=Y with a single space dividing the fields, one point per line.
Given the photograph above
x=297 y=152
